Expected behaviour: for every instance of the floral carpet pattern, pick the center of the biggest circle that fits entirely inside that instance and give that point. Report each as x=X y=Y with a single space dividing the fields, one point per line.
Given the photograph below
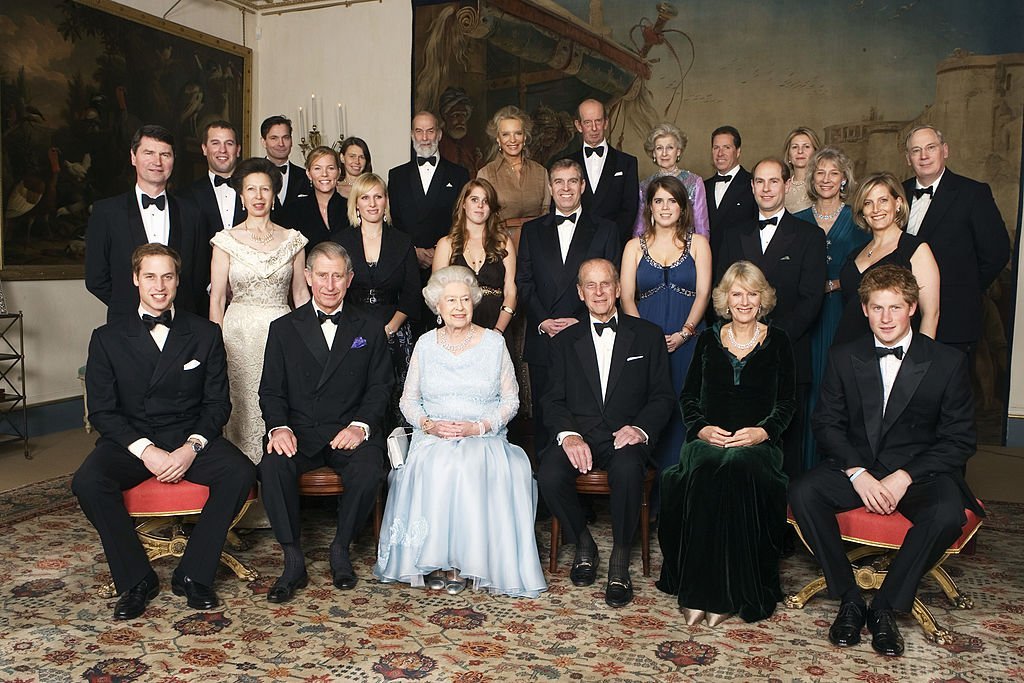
x=55 y=627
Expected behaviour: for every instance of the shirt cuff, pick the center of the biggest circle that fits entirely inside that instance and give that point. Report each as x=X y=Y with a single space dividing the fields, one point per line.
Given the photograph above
x=647 y=439
x=203 y=442
x=273 y=429
x=562 y=436
x=366 y=428
x=138 y=446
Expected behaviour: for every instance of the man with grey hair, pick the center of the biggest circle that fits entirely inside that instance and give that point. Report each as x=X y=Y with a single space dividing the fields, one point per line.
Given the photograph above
x=958 y=218
x=327 y=380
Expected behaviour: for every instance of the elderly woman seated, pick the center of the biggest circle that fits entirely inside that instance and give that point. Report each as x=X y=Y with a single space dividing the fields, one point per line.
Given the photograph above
x=462 y=508
x=723 y=508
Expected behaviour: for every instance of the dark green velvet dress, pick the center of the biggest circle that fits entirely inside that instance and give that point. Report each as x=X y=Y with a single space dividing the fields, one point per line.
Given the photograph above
x=723 y=510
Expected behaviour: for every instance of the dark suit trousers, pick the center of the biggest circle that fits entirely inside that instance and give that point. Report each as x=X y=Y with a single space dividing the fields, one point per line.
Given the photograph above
x=361 y=471
x=626 y=467
x=110 y=469
x=934 y=505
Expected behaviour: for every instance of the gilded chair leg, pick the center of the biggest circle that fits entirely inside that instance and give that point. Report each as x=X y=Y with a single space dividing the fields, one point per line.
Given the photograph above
x=931 y=629
x=241 y=570
x=945 y=581
x=798 y=600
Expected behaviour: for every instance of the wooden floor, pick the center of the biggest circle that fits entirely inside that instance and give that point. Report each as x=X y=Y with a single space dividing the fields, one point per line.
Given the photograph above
x=994 y=473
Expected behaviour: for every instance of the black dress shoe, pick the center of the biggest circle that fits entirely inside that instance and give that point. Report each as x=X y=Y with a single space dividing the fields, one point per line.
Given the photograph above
x=845 y=630
x=618 y=592
x=197 y=595
x=284 y=590
x=344 y=579
x=885 y=633
x=584 y=571
x=133 y=601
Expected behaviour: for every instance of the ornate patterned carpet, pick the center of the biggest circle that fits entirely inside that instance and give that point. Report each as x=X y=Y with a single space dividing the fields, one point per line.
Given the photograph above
x=55 y=627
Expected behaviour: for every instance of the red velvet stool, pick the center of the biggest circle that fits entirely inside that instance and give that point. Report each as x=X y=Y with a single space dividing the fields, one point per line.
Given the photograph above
x=880 y=536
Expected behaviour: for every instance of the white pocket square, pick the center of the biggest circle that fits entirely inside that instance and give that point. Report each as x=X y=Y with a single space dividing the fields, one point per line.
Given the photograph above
x=617 y=174
x=448 y=185
x=784 y=258
x=191 y=365
x=633 y=358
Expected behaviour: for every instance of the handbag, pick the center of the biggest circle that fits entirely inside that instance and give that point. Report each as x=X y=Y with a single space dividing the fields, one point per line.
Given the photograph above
x=398 y=446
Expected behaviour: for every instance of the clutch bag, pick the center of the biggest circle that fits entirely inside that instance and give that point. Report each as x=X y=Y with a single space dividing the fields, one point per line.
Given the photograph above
x=398 y=446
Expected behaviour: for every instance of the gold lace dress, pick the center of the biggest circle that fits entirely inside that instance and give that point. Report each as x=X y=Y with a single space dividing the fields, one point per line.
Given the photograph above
x=260 y=283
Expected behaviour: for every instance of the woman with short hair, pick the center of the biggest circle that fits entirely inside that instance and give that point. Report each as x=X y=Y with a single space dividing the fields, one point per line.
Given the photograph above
x=665 y=145
x=355 y=161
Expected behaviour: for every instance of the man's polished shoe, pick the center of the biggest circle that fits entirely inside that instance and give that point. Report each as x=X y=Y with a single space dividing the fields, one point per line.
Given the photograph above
x=584 y=571
x=845 y=631
x=344 y=579
x=885 y=633
x=283 y=590
x=618 y=592
x=197 y=595
x=133 y=601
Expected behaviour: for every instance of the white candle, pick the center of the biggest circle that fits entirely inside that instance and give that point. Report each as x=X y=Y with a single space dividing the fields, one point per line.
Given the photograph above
x=344 y=118
x=312 y=107
x=302 y=124
x=341 y=128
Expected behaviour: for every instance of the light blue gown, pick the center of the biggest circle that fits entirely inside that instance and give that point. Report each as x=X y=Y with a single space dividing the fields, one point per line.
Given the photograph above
x=468 y=503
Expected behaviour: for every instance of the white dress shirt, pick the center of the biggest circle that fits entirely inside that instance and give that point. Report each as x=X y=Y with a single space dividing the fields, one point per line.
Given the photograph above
x=722 y=188
x=595 y=164
x=156 y=222
x=890 y=366
x=427 y=171
x=566 y=229
x=768 y=231
x=225 y=195
x=920 y=205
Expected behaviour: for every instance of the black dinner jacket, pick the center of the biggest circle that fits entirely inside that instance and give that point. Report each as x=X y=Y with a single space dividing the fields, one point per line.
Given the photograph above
x=136 y=390
x=426 y=218
x=639 y=383
x=303 y=215
x=201 y=193
x=928 y=425
x=545 y=285
x=968 y=237
x=795 y=266
x=618 y=194
x=318 y=391
x=396 y=270
x=116 y=229
x=298 y=187
x=737 y=208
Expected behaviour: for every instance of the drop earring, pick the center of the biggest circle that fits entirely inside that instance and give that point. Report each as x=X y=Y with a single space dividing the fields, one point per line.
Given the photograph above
x=439 y=321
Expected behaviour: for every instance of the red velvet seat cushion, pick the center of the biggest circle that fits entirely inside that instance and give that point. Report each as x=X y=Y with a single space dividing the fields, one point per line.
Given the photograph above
x=152 y=497
x=861 y=526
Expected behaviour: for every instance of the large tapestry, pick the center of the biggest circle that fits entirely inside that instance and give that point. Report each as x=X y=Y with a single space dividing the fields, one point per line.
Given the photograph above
x=859 y=72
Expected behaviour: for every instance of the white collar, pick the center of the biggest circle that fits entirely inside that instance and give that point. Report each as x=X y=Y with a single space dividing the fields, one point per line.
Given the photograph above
x=934 y=185
x=778 y=213
x=904 y=342
x=143 y=311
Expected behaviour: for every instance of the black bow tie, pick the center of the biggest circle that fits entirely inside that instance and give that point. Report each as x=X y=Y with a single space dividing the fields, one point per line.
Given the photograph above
x=599 y=151
x=283 y=169
x=159 y=202
x=774 y=220
x=432 y=160
x=219 y=180
x=882 y=352
x=324 y=317
x=921 y=191
x=612 y=324
x=719 y=178
x=152 y=321
x=561 y=219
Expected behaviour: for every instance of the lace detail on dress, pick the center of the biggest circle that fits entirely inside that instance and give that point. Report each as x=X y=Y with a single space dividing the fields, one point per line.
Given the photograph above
x=666 y=282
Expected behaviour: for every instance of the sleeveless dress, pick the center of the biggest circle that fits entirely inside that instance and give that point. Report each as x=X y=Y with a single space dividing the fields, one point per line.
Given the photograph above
x=665 y=296
x=465 y=503
x=854 y=323
x=491 y=278
x=260 y=283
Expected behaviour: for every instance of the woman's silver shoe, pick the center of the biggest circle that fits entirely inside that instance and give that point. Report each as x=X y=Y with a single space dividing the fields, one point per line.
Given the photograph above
x=435 y=580
x=455 y=584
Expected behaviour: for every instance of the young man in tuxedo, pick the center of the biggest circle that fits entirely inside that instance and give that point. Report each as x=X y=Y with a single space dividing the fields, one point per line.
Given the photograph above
x=895 y=425
x=791 y=254
x=613 y=188
x=609 y=395
x=960 y=221
x=158 y=396
x=423 y=193
x=730 y=199
x=276 y=136
x=220 y=205
x=551 y=250
x=327 y=379
x=143 y=215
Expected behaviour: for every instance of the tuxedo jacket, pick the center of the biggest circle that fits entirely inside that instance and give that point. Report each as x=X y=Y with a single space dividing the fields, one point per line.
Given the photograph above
x=928 y=424
x=617 y=197
x=967 y=235
x=425 y=218
x=795 y=266
x=136 y=390
x=304 y=215
x=115 y=230
x=547 y=287
x=317 y=391
x=201 y=193
x=737 y=207
x=639 y=390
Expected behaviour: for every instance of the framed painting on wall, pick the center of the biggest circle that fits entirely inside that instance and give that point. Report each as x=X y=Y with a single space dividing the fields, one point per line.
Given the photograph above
x=78 y=78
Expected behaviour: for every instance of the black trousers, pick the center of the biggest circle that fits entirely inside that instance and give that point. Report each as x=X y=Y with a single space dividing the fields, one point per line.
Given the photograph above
x=934 y=505
x=626 y=467
x=110 y=469
x=361 y=470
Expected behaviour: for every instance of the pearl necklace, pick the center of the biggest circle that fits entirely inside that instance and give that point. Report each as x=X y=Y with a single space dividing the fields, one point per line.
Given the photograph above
x=745 y=345
x=826 y=216
x=254 y=235
x=455 y=349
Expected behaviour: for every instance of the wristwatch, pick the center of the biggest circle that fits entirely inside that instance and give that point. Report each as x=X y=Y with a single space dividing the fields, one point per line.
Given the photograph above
x=196 y=446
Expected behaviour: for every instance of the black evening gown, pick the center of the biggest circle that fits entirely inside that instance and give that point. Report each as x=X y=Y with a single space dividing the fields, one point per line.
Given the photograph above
x=723 y=510
x=491 y=278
